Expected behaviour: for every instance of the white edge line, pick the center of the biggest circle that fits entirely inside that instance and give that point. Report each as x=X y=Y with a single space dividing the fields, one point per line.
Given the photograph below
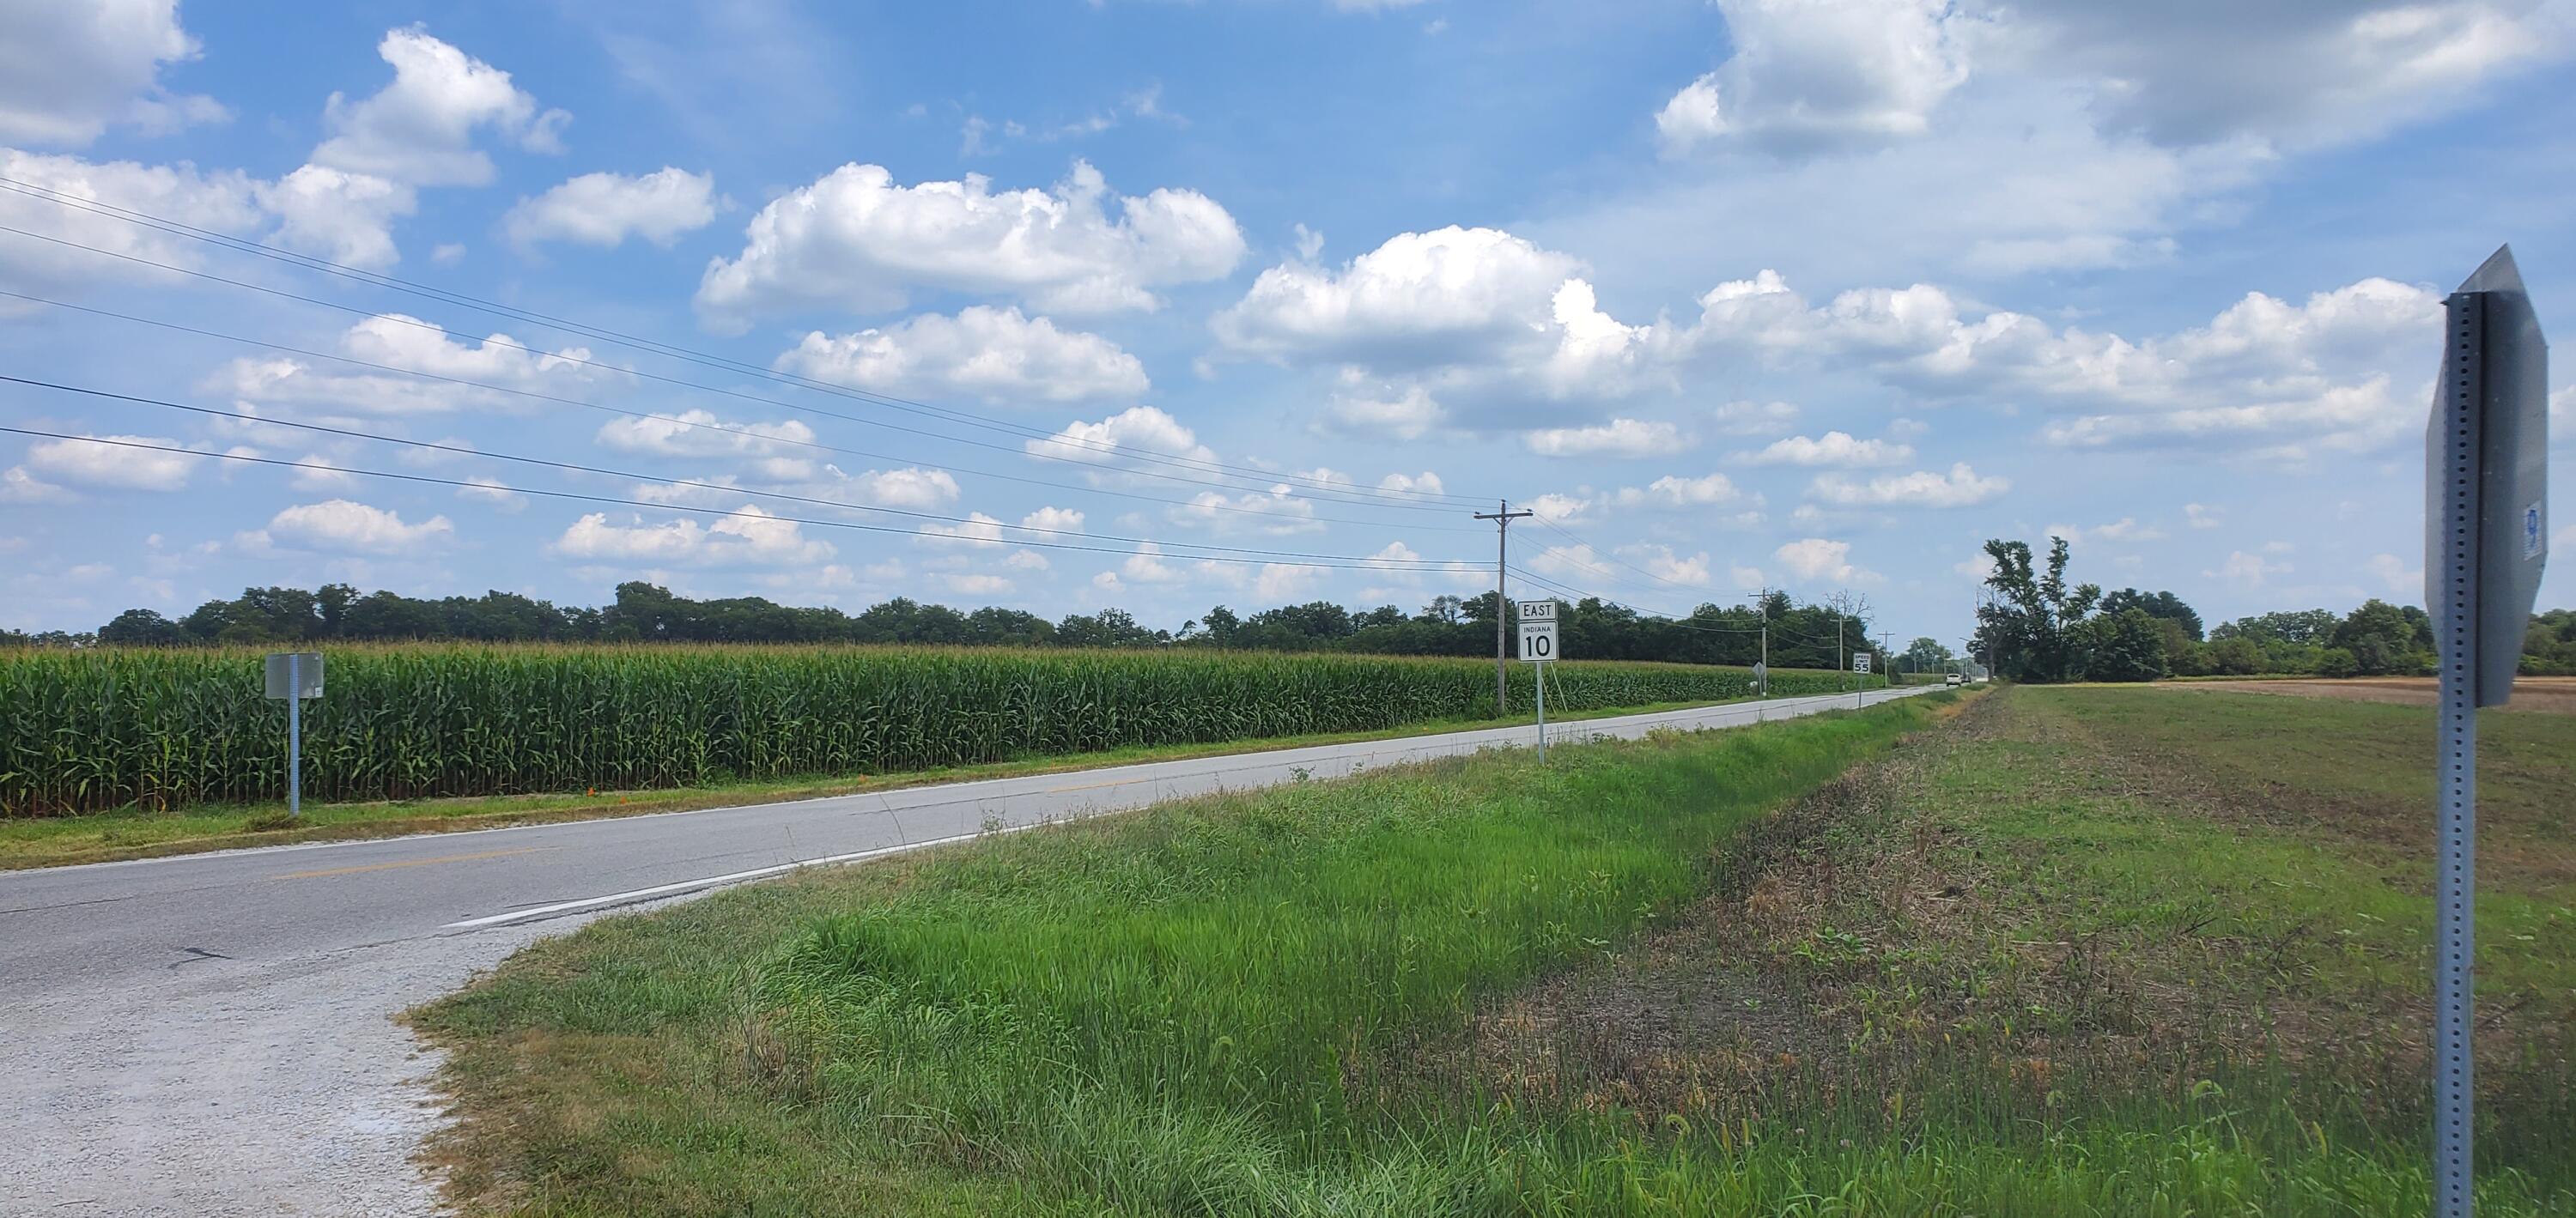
x=718 y=881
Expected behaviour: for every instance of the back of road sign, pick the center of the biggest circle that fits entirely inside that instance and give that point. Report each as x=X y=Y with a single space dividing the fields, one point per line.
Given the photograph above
x=306 y=681
x=2495 y=381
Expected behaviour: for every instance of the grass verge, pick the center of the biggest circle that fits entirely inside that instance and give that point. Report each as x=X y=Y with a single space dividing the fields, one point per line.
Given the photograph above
x=1155 y=1011
x=132 y=833
x=2027 y=961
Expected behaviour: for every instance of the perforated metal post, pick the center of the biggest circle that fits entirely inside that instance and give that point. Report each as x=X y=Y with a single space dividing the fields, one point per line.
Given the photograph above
x=2455 y=885
x=294 y=736
x=1539 y=681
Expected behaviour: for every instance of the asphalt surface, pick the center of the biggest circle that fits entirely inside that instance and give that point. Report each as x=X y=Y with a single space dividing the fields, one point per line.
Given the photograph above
x=212 y=1035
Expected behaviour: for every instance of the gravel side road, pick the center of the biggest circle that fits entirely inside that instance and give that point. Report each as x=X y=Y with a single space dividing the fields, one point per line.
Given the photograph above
x=212 y=1034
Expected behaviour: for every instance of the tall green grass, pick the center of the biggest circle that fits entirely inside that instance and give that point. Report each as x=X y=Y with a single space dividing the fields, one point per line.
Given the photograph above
x=91 y=730
x=1215 y=1007
x=1195 y=1011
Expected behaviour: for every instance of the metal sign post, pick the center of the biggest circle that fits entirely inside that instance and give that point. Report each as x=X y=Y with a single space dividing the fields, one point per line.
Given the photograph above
x=294 y=676
x=2485 y=496
x=1860 y=667
x=1538 y=646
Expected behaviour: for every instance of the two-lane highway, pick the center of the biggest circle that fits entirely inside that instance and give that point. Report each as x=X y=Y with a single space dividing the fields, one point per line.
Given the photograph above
x=211 y=1034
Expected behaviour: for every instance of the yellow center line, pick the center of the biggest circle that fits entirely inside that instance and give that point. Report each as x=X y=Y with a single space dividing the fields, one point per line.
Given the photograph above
x=451 y=858
x=1094 y=786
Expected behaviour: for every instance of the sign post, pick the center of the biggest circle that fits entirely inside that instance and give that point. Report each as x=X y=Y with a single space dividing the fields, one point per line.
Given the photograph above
x=294 y=676
x=2485 y=496
x=1538 y=646
x=1860 y=666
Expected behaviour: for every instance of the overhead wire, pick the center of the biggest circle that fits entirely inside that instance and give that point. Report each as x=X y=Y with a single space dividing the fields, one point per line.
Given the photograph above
x=1344 y=493
x=1353 y=563
x=724 y=363
x=1778 y=629
x=575 y=467
x=375 y=279
x=746 y=433
x=1587 y=544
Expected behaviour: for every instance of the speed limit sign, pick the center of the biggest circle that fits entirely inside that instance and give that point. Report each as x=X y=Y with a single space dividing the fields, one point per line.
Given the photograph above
x=1538 y=631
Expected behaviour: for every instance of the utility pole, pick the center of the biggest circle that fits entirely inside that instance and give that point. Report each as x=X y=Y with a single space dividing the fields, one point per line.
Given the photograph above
x=1502 y=516
x=1764 y=605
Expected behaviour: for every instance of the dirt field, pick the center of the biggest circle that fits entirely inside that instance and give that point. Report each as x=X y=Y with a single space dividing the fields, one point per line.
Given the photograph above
x=2555 y=695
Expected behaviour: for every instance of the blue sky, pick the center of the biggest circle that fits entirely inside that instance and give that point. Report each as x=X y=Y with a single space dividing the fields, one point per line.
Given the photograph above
x=1814 y=294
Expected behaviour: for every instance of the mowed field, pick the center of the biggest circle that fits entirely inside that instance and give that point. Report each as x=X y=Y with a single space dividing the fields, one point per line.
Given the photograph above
x=2042 y=951
x=2549 y=695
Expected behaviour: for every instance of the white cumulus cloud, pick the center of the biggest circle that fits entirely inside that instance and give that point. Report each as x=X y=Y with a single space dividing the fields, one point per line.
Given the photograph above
x=1616 y=438
x=1674 y=493
x=1961 y=487
x=407 y=345
x=419 y=130
x=856 y=240
x=1112 y=441
x=1477 y=304
x=1834 y=448
x=998 y=355
x=111 y=466
x=1406 y=415
x=1822 y=560
x=347 y=526
x=702 y=433
x=339 y=215
x=750 y=538
x=1806 y=72
x=70 y=70
x=605 y=209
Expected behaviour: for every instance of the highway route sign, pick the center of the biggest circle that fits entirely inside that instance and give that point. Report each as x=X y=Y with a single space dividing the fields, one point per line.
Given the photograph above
x=1538 y=631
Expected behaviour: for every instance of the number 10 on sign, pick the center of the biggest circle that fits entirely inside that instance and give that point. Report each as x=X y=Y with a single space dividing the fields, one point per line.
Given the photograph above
x=1538 y=631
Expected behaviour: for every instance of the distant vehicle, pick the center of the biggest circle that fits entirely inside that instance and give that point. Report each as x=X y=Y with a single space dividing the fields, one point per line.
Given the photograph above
x=1956 y=679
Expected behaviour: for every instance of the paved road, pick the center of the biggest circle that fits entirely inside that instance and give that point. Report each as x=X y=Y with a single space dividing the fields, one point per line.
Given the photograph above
x=210 y=1034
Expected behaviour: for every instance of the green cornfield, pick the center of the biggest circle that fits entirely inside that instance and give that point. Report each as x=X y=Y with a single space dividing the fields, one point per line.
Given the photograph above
x=84 y=731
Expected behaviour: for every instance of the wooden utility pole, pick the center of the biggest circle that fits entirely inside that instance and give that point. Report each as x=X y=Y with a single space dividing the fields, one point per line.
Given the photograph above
x=1502 y=516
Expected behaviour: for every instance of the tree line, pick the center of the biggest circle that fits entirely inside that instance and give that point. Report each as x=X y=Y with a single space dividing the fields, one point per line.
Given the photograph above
x=1800 y=635
x=2034 y=627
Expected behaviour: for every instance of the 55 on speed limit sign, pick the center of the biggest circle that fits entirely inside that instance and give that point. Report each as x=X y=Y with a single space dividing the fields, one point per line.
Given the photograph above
x=1538 y=631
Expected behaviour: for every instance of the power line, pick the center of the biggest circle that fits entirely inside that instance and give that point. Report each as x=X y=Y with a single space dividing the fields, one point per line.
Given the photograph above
x=1685 y=622
x=723 y=363
x=512 y=312
x=352 y=433
x=1367 y=498
x=1355 y=563
x=1587 y=544
x=746 y=433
